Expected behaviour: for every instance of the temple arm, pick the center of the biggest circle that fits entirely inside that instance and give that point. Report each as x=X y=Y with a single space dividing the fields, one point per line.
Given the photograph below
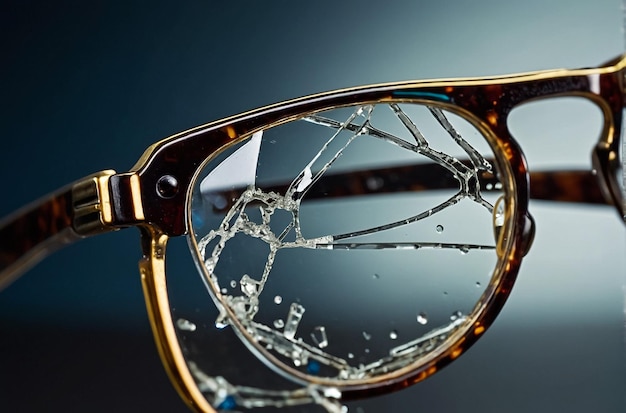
x=35 y=231
x=83 y=208
x=578 y=186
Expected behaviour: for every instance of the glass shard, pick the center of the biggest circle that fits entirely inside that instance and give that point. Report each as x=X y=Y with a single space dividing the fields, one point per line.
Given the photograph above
x=293 y=320
x=319 y=336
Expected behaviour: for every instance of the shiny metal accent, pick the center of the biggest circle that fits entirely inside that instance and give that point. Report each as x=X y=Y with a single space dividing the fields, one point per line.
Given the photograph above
x=91 y=204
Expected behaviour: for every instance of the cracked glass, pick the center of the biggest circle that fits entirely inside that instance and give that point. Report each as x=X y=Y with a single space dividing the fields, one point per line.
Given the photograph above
x=338 y=249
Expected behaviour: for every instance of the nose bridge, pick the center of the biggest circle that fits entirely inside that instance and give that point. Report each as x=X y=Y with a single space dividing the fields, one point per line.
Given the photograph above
x=608 y=155
x=622 y=143
x=608 y=164
x=528 y=233
x=623 y=177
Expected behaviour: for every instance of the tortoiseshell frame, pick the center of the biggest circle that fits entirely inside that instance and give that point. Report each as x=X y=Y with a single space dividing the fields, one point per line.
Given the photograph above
x=154 y=195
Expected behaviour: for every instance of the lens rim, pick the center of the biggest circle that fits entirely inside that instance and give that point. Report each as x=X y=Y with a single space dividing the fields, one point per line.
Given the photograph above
x=477 y=321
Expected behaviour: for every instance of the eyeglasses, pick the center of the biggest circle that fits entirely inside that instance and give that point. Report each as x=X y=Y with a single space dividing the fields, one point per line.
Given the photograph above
x=349 y=243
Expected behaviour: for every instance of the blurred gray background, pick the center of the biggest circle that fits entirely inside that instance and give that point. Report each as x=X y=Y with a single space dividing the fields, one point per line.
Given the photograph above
x=88 y=86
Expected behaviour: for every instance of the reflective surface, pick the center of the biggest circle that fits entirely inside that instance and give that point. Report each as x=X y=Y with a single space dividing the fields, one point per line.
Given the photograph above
x=88 y=88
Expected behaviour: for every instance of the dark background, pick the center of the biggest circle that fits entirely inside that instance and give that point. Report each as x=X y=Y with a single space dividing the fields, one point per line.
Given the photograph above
x=87 y=86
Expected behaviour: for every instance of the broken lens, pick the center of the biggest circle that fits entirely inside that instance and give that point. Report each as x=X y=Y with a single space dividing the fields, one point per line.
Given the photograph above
x=338 y=248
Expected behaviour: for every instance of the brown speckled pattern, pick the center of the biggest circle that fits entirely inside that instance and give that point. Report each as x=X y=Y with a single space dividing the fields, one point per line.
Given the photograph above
x=35 y=227
x=566 y=186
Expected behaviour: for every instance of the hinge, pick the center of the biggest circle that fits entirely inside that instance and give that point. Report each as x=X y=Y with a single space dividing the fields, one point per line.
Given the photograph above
x=91 y=204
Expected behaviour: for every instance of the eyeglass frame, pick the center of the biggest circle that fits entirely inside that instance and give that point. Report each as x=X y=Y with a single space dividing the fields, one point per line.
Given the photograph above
x=155 y=193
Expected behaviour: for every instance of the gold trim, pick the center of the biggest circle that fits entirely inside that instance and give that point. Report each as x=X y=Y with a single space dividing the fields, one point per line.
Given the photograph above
x=152 y=269
x=105 y=199
x=92 y=213
x=531 y=76
x=135 y=190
